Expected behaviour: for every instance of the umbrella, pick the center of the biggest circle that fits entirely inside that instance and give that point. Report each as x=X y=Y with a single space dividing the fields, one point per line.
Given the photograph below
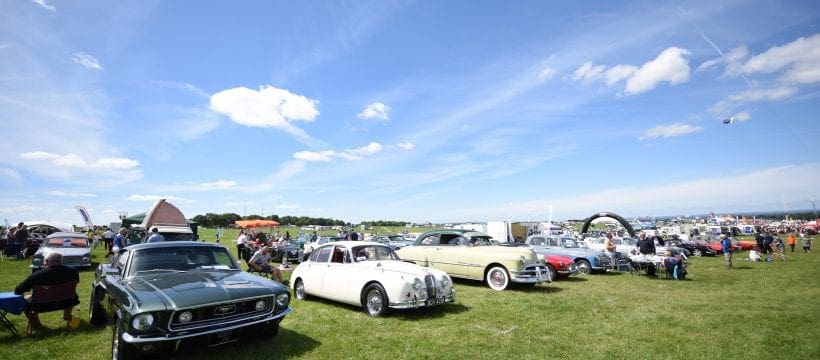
x=248 y=224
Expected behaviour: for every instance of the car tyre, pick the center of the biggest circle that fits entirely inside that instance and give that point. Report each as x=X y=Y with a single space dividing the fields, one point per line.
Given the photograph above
x=119 y=348
x=552 y=273
x=299 y=290
x=375 y=300
x=584 y=267
x=96 y=313
x=497 y=278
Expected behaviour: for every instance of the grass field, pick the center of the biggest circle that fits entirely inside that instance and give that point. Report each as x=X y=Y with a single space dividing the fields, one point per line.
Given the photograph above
x=756 y=311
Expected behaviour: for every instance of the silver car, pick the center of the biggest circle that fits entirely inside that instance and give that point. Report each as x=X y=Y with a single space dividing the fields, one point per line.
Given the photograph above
x=74 y=247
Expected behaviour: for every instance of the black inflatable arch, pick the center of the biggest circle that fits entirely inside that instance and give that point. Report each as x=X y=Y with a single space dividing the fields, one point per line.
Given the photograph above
x=610 y=215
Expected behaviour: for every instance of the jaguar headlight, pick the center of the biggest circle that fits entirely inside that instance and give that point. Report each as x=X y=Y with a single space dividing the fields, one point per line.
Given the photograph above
x=445 y=281
x=282 y=300
x=142 y=322
x=417 y=284
x=185 y=317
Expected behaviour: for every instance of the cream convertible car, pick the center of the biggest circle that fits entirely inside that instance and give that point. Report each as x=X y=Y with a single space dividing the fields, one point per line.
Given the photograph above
x=472 y=255
x=371 y=275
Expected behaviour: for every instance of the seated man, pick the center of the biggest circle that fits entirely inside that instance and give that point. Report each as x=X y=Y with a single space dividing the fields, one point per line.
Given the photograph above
x=54 y=273
x=260 y=261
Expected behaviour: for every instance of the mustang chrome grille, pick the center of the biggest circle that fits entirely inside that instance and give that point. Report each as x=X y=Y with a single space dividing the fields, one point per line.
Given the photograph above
x=221 y=312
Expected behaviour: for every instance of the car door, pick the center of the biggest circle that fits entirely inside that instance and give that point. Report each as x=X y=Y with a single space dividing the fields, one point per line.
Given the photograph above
x=338 y=274
x=313 y=274
x=452 y=255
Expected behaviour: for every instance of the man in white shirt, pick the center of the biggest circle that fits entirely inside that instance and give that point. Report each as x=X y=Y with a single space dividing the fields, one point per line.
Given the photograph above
x=260 y=261
x=241 y=243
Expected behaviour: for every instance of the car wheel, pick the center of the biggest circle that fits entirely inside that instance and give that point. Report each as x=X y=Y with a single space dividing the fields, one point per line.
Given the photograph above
x=375 y=300
x=299 y=290
x=95 y=310
x=552 y=273
x=497 y=278
x=119 y=349
x=584 y=267
x=698 y=252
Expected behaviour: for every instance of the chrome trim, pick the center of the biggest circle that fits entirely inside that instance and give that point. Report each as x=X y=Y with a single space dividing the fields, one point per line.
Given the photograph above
x=173 y=337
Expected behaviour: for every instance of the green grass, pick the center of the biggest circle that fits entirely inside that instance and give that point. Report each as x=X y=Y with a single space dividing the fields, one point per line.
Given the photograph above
x=756 y=311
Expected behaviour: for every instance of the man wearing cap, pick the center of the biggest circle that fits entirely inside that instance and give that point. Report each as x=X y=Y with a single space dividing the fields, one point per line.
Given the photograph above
x=155 y=236
x=726 y=246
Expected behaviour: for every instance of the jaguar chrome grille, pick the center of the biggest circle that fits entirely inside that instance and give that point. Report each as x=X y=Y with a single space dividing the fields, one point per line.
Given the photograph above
x=221 y=312
x=432 y=289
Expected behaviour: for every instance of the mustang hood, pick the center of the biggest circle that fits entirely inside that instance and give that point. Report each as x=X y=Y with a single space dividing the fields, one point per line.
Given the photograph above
x=161 y=291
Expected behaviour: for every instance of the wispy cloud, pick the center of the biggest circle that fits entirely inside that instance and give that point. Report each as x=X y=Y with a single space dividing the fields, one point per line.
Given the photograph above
x=406 y=145
x=218 y=185
x=69 y=194
x=43 y=4
x=669 y=66
x=329 y=155
x=669 y=131
x=376 y=110
x=86 y=60
x=799 y=60
x=269 y=107
x=77 y=161
x=752 y=95
x=153 y=198
x=11 y=175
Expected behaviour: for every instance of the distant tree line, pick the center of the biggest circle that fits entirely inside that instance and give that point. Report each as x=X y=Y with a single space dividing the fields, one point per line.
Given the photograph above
x=384 y=223
x=223 y=220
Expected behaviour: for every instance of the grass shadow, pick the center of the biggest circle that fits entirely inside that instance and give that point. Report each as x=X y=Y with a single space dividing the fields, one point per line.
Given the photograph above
x=288 y=344
x=573 y=279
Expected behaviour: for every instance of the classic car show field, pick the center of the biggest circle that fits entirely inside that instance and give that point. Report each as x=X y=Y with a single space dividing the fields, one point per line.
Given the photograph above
x=755 y=311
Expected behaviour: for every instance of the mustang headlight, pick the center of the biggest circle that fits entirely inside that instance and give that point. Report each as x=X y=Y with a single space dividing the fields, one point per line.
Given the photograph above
x=282 y=300
x=185 y=317
x=142 y=322
x=417 y=284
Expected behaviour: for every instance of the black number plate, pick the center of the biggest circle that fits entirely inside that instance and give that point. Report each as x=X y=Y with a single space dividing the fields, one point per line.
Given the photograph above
x=223 y=337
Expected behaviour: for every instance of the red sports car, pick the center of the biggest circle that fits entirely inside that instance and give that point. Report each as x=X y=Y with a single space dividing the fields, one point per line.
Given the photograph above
x=560 y=266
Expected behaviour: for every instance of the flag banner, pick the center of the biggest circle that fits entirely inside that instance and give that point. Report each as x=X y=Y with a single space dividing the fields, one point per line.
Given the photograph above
x=86 y=217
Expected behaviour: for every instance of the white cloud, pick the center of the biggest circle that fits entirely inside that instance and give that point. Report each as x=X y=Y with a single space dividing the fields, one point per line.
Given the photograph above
x=73 y=195
x=289 y=206
x=406 y=145
x=43 y=4
x=268 y=107
x=349 y=154
x=752 y=95
x=668 y=131
x=546 y=73
x=669 y=66
x=154 y=198
x=376 y=110
x=86 y=60
x=619 y=72
x=588 y=73
x=732 y=60
x=219 y=184
x=799 y=59
x=76 y=161
x=742 y=116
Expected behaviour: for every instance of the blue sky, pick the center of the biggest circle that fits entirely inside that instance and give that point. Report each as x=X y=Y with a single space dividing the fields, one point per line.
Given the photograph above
x=441 y=111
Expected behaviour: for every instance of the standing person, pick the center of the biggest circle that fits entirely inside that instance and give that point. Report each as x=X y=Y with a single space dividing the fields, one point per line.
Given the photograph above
x=155 y=236
x=806 y=240
x=119 y=241
x=21 y=235
x=726 y=246
x=791 y=241
x=645 y=246
x=108 y=238
x=55 y=273
x=759 y=240
x=241 y=244
x=767 y=242
x=610 y=248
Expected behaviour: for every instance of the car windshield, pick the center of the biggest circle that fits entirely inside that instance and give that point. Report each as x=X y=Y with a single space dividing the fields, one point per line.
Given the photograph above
x=396 y=238
x=66 y=242
x=181 y=259
x=374 y=253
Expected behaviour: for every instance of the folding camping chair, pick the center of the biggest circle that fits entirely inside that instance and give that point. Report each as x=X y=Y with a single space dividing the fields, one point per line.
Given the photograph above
x=46 y=298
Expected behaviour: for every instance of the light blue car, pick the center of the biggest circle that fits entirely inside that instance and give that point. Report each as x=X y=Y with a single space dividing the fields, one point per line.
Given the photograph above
x=585 y=258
